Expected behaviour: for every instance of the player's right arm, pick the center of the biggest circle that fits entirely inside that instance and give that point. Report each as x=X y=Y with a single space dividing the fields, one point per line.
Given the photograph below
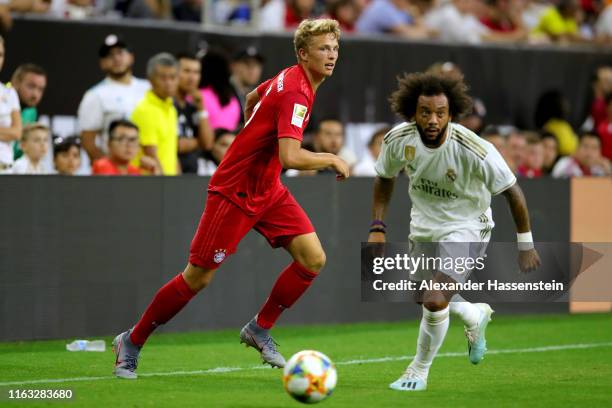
x=388 y=166
x=292 y=156
x=383 y=190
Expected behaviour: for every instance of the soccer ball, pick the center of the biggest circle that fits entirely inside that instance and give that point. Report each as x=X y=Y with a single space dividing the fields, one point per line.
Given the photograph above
x=309 y=376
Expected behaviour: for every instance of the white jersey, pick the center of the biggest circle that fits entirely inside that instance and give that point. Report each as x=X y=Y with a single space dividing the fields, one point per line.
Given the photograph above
x=451 y=185
x=107 y=101
x=9 y=103
x=23 y=165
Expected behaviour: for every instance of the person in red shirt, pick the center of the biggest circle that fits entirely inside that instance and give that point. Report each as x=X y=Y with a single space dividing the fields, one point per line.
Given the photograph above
x=604 y=130
x=503 y=15
x=246 y=193
x=297 y=11
x=345 y=12
x=602 y=85
x=122 y=148
x=534 y=157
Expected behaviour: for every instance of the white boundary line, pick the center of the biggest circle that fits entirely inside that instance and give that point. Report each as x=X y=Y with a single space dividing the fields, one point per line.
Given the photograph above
x=220 y=370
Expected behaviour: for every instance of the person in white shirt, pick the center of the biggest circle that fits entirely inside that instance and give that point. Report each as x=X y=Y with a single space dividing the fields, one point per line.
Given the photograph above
x=586 y=161
x=603 y=26
x=113 y=98
x=458 y=21
x=365 y=167
x=208 y=163
x=453 y=174
x=66 y=155
x=34 y=143
x=10 y=120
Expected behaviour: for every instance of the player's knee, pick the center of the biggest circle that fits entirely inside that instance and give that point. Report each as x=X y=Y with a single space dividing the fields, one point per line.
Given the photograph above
x=197 y=278
x=315 y=261
x=435 y=305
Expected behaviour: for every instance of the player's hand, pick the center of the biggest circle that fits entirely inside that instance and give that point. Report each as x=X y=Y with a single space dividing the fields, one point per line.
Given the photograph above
x=376 y=251
x=341 y=168
x=529 y=260
x=376 y=237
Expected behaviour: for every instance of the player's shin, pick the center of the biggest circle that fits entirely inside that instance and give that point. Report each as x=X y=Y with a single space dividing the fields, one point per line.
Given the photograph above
x=432 y=331
x=288 y=288
x=168 y=301
x=466 y=311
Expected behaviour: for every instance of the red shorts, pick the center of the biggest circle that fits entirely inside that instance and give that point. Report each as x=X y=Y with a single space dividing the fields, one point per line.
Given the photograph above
x=224 y=224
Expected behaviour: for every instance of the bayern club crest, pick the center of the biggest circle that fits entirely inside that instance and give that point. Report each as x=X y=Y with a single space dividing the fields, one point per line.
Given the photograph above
x=219 y=255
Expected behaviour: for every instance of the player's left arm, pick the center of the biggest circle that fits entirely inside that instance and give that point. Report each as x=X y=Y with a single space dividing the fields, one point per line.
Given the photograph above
x=293 y=156
x=529 y=259
x=381 y=196
x=498 y=178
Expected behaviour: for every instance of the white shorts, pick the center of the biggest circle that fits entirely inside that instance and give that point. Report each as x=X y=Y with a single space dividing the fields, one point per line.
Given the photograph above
x=455 y=254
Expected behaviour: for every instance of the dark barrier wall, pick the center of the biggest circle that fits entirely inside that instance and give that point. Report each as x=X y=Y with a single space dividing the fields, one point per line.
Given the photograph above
x=84 y=256
x=508 y=78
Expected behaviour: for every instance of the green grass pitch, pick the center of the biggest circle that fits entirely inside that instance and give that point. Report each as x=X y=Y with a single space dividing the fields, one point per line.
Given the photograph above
x=535 y=361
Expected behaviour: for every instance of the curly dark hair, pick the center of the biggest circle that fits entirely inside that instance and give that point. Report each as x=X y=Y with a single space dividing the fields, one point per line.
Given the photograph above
x=411 y=86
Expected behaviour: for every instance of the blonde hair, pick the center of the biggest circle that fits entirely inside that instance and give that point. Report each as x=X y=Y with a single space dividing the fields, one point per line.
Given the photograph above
x=32 y=127
x=312 y=28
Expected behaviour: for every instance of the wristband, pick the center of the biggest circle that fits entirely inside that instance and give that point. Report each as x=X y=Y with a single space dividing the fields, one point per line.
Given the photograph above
x=378 y=223
x=378 y=229
x=525 y=241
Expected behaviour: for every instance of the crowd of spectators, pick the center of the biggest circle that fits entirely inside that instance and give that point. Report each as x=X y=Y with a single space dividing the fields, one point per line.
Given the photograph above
x=467 y=21
x=184 y=116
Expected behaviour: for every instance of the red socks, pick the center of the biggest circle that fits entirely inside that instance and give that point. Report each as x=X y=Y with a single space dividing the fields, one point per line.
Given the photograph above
x=289 y=286
x=168 y=301
x=174 y=295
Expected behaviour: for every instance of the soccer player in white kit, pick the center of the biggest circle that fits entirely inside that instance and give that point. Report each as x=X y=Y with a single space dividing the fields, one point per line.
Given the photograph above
x=453 y=174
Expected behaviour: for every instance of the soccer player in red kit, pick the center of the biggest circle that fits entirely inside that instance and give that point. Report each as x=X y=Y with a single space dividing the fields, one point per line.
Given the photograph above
x=246 y=192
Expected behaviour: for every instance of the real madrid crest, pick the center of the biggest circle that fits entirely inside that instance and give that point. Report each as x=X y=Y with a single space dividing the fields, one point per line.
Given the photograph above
x=409 y=152
x=451 y=175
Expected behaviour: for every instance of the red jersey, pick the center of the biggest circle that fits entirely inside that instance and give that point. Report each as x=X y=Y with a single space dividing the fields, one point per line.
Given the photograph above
x=605 y=135
x=525 y=171
x=249 y=174
x=105 y=166
x=500 y=26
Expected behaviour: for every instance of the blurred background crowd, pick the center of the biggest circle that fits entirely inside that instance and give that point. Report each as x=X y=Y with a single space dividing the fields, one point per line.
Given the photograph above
x=466 y=21
x=184 y=115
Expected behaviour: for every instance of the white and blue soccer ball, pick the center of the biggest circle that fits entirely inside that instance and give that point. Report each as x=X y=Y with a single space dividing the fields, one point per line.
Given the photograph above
x=309 y=376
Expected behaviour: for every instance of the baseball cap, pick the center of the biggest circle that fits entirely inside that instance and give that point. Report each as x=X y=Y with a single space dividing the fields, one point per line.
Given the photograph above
x=111 y=41
x=249 y=52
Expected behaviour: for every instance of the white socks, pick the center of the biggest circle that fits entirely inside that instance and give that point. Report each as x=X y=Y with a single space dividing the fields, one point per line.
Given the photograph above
x=432 y=331
x=468 y=312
